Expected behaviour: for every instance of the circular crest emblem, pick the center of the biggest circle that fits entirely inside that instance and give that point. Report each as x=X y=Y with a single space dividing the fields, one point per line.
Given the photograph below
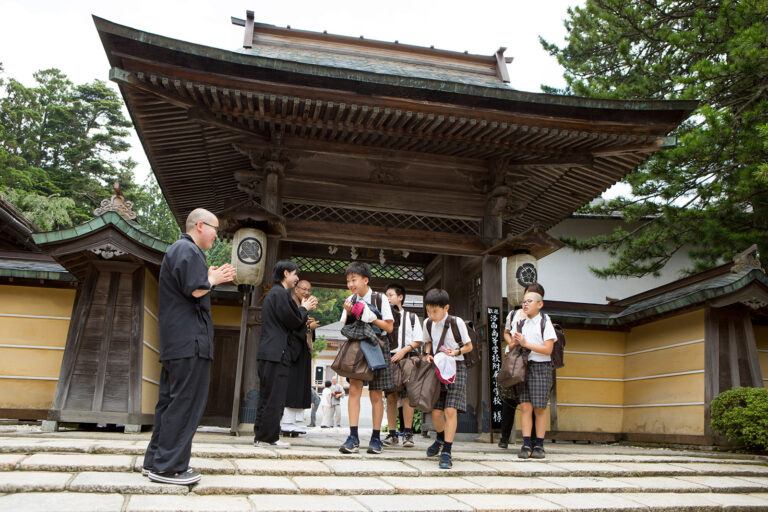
x=249 y=251
x=526 y=274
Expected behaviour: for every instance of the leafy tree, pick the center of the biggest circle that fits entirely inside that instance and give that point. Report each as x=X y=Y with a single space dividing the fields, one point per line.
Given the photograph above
x=47 y=212
x=318 y=345
x=711 y=191
x=330 y=304
x=154 y=214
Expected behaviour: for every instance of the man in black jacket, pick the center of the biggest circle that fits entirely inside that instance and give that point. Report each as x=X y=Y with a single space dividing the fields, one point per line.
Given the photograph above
x=186 y=348
x=279 y=316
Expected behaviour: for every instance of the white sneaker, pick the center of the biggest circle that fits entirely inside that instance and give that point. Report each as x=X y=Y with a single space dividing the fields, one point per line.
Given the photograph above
x=276 y=444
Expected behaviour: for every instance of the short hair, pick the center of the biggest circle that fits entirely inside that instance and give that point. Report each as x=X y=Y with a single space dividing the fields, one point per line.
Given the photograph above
x=536 y=296
x=535 y=288
x=399 y=290
x=437 y=297
x=327 y=383
x=197 y=215
x=358 y=267
x=278 y=271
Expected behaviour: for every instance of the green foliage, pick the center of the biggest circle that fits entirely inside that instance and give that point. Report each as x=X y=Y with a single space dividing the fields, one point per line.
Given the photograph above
x=220 y=253
x=47 y=212
x=318 y=345
x=709 y=192
x=61 y=140
x=741 y=414
x=154 y=214
x=330 y=304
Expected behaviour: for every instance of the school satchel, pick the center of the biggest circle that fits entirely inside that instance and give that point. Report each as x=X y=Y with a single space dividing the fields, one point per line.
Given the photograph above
x=350 y=362
x=402 y=371
x=557 y=356
x=514 y=367
x=470 y=358
x=423 y=387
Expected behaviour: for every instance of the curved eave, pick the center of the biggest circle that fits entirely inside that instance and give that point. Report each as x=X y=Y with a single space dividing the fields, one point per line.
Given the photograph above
x=120 y=41
x=98 y=223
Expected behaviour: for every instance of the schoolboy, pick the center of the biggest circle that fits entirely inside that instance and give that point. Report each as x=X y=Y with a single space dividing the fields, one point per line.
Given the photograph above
x=538 y=380
x=508 y=406
x=358 y=274
x=453 y=397
x=405 y=339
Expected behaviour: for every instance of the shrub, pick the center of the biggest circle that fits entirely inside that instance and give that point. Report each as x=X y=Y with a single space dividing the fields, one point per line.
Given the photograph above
x=741 y=414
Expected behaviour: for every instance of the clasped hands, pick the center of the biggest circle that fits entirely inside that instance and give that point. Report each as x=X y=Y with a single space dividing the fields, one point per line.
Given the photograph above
x=221 y=274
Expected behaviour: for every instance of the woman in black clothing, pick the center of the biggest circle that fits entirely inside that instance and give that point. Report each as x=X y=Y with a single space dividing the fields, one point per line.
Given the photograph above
x=278 y=350
x=300 y=377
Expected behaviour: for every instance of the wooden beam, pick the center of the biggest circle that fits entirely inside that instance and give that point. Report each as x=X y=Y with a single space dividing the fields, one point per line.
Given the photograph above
x=501 y=65
x=383 y=237
x=323 y=280
x=248 y=35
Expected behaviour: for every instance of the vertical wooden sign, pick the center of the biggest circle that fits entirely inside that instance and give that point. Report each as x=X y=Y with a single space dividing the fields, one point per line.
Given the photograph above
x=494 y=363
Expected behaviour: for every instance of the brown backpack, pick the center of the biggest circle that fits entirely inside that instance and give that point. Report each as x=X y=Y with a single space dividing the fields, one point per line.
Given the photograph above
x=470 y=358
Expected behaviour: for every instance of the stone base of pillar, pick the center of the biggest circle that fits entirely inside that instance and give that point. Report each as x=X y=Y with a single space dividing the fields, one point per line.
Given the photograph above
x=50 y=426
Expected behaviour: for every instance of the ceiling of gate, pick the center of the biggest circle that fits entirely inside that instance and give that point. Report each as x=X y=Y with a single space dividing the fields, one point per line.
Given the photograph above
x=367 y=151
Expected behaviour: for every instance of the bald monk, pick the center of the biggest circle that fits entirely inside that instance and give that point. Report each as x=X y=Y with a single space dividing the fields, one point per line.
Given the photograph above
x=186 y=348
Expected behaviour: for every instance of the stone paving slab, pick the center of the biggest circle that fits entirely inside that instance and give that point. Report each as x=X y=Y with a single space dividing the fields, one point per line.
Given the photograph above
x=371 y=468
x=593 y=502
x=322 y=453
x=656 y=468
x=9 y=461
x=404 y=503
x=432 y=485
x=11 y=445
x=77 y=462
x=593 y=469
x=66 y=445
x=33 y=481
x=667 y=484
x=699 y=502
x=123 y=483
x=244 y=484
x=342 y=485
x=118 y=446
x=202 y=465
x=230 y=451
x=287 y=467
x=62 y=502
x=505 y=503
x=525 y=468
x=730 y=469
x=294 y=503
x=430 y=467
x=515 y=484
x=760 y=480
x=590 y=484
x=723 y=483
x=150 y=503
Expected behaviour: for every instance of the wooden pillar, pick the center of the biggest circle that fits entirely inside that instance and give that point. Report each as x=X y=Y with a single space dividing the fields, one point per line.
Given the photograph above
x=491 y=297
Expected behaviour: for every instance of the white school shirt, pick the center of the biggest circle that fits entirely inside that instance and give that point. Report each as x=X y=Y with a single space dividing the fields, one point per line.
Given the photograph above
x=411 y=333
x=437 y=331
x=532 y=333
x=369 y=316
x=509 y=325
x=326 y=398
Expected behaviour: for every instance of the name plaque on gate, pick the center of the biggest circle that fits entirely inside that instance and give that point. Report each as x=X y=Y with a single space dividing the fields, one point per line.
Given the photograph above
x=494 y=363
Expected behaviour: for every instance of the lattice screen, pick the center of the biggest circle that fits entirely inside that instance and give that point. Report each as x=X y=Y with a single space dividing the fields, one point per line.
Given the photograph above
x=329 y=266
x=385 y=219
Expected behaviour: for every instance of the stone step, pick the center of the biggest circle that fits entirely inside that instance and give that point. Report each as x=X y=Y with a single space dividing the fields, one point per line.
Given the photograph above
x=134 y=483
x=586 y=502
x=369 y=466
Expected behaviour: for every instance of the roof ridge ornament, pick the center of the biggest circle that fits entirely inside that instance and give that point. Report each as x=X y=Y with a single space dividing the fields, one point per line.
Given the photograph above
x=747 y=260
x=116 y=203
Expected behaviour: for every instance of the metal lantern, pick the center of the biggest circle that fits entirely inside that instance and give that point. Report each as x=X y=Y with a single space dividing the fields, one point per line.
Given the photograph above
x=249 y=246
x=522 y=270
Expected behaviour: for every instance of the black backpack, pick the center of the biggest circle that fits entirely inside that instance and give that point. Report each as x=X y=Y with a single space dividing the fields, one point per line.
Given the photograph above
x=470 y=358
x=557 y=355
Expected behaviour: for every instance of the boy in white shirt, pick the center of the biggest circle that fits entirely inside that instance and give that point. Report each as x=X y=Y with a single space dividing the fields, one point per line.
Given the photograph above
x=438 y=333
x=538 y=381
x=358 y=274
x=405 y=339
x=325 y=401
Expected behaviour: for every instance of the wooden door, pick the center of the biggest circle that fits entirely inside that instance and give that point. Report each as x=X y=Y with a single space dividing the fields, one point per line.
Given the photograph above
x=218 y=410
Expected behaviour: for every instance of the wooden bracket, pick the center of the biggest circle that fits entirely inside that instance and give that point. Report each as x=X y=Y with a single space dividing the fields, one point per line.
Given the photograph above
x=248 y=37
x=501 y=65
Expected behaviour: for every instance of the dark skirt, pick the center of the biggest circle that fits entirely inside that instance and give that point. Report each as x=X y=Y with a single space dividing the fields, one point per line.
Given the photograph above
x=299 y=395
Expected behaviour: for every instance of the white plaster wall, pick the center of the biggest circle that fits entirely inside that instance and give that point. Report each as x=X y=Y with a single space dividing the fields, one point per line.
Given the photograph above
x=566 y=277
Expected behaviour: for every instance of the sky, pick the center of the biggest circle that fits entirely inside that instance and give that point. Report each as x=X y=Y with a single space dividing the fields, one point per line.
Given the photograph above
x=40 y=34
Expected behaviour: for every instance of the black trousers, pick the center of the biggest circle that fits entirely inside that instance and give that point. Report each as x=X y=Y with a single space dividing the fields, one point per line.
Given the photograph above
x=180 y=406
x=273 y=389
x=507 y=419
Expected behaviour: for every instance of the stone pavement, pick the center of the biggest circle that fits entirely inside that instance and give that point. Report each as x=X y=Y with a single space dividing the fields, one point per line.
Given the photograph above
x=86 y=471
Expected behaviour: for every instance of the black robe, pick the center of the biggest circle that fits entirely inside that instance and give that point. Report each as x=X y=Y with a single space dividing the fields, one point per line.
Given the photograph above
x=300 y=377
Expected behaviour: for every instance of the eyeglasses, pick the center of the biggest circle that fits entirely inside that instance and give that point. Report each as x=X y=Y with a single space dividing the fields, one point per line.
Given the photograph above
x=528 y=301
x=215 y=228
x=304 y=288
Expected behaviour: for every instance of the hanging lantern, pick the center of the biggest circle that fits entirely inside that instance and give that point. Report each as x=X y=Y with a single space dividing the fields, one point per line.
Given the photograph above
x=521 y=271
x=248 y=256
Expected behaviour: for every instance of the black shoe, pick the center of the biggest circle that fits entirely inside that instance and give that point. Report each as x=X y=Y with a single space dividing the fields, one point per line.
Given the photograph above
x=374 y=446
x=391 y=440
x=445 y=461
x=525 y=452
x=435 y=448
x=503 y=445
x=350 y=445
x=145 y=471
x=538 y=452
x=408 y=441
x=186 y=478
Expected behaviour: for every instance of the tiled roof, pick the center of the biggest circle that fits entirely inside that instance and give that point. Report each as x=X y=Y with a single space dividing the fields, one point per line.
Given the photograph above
x=34 y=269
